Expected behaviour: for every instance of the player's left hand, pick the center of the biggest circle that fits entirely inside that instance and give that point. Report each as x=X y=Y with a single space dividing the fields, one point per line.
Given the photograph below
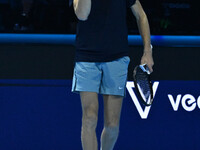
x=147 y=58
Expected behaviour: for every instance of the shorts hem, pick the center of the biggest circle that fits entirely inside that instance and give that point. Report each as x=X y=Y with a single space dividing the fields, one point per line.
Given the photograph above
x=112 y=93
x=77 y=91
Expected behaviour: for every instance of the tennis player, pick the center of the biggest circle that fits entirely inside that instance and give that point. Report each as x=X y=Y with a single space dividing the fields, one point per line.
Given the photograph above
x=102 y=63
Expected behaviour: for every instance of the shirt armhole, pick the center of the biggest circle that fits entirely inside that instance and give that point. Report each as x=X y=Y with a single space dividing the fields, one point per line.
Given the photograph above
x=130 y=3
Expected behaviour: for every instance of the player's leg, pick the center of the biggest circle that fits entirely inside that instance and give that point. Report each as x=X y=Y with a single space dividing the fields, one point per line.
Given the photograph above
x=112 y=111
x=89 y=102
x=86 y=81
x=113 y=88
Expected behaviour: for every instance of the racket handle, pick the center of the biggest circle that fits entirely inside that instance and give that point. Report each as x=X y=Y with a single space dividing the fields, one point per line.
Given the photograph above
x=145 y=68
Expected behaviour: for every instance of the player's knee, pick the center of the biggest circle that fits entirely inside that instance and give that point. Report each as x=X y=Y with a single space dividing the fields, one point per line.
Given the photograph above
x=112 y=130
x=89 y=120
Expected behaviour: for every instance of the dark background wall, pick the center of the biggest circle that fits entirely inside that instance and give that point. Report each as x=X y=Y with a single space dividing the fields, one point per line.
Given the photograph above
x=174 y=17
x=32 y=61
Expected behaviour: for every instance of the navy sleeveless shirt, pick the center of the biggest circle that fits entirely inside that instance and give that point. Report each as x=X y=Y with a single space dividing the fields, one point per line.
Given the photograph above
x=103 y=36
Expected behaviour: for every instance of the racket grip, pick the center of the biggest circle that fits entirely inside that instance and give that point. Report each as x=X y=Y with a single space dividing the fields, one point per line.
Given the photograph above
x=145 y=68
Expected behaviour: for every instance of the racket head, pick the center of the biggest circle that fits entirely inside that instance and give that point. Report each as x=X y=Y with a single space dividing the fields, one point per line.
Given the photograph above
x=143 y=85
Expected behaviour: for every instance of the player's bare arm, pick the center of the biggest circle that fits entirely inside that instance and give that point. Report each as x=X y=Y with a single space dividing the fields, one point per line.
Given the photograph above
x=143 y=26
x=82 y=9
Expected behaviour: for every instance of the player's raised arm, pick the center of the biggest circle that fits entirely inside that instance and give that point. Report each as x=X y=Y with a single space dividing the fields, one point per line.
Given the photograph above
x=82 y=9
x=144 y=30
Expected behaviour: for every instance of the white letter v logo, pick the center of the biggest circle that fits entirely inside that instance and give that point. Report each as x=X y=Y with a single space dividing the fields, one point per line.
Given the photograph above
x=143 y=113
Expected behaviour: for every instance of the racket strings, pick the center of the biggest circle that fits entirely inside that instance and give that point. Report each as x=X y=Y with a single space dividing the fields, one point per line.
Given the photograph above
x=143 y=85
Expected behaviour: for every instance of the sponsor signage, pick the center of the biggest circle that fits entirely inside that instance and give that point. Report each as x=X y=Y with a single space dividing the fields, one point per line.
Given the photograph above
x=185 y=94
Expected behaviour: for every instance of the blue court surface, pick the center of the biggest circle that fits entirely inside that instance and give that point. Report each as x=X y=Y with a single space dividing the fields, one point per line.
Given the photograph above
x=45 y=115
x=38 y=114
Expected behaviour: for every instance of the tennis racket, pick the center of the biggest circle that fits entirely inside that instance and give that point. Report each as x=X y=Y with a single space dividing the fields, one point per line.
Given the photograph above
x=143 y=85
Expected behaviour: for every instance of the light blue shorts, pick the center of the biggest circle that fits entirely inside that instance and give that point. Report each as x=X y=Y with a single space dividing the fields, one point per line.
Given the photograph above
x=107 y=78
